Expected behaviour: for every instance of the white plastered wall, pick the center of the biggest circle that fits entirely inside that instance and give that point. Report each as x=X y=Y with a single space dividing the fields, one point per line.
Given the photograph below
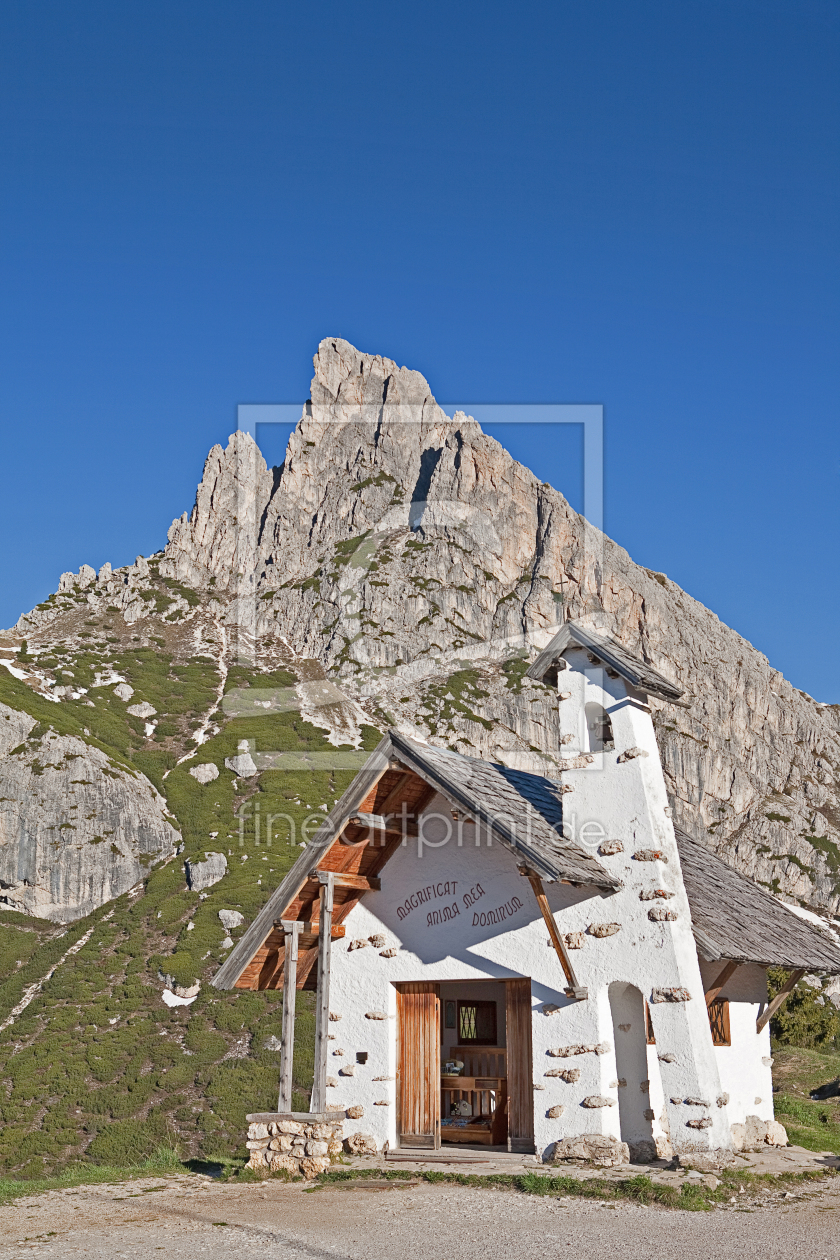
x=459 y=869
x=745 y=1066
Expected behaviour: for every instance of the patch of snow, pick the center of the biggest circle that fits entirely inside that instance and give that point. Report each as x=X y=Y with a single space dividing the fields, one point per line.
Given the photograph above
x=816 y=919
x=172 y=999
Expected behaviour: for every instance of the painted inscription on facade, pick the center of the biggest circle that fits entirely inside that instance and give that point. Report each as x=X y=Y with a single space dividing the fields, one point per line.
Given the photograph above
x=447 y=913
x=445 y=888
x=498 y=915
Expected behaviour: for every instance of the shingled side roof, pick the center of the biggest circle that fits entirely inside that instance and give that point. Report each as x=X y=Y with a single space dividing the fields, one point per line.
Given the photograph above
x=733 y=918
x=609 y=653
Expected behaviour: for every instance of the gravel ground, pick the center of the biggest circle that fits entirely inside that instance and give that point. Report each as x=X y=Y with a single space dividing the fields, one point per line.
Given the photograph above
x=192 y=1217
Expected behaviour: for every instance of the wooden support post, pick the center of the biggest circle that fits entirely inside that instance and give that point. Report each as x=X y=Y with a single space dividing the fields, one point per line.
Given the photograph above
x=714 y=989
x=784 y=993
x=318 y=1101
x=575 y=990
x=291 y=932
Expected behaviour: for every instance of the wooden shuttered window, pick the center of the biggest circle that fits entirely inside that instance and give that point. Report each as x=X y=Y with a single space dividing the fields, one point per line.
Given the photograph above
x=719 y=1022
x=418 y=1064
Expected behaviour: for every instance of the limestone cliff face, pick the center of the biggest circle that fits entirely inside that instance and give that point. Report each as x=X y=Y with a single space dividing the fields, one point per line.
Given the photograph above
x=398 y=546
x=406 y=556
x=75 y=830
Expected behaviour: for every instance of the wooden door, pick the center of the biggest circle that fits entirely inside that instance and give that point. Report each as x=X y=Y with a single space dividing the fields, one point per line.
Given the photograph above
x=418 y=1064
x=520 y=1082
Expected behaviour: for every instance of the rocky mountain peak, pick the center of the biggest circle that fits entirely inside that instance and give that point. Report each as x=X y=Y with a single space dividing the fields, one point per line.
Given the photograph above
x=407 y=568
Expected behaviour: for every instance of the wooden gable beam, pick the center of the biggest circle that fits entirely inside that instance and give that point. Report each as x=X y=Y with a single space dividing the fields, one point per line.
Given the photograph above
x=311 y=927
x=713 y=992
x=389 y=824
x=575 y=989
x=265 y=971
x=364 y=883
x=781 y=997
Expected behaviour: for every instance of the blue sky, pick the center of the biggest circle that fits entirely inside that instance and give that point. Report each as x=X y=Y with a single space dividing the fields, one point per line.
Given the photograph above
x=635 y=205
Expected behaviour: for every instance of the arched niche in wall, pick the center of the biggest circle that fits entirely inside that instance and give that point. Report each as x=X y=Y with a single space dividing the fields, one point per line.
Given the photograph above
x=599 y=732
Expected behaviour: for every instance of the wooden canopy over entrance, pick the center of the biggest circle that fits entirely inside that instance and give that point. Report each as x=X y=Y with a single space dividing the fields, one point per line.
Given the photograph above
x=356 y=856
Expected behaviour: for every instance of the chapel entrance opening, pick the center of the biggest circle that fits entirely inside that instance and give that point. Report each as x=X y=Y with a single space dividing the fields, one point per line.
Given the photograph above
x=464 y=1072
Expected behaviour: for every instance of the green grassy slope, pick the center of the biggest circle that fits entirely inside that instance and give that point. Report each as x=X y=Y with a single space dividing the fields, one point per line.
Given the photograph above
x=96 y=1065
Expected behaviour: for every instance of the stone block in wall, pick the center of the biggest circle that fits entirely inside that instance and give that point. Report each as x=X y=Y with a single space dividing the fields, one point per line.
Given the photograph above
x=600 y=930
x=321 y=1132
x=283 y=1163
x=590 y=1148
x=285 y=1126
x=630 y=754
x=360 y=1144
x=757 y=1133
x=311 y=1167
x=610 y=847
x=670 y=995
x=593 y=1101
x=566 y=1052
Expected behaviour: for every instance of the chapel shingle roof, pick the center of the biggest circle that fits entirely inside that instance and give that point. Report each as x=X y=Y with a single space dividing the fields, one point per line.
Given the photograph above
x=525 y=810
x=735 y=919
x=612 y=654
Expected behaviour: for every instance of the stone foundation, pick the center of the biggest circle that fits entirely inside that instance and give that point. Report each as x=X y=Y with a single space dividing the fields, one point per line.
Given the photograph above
x=298 y=1143
x=755 y=1134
